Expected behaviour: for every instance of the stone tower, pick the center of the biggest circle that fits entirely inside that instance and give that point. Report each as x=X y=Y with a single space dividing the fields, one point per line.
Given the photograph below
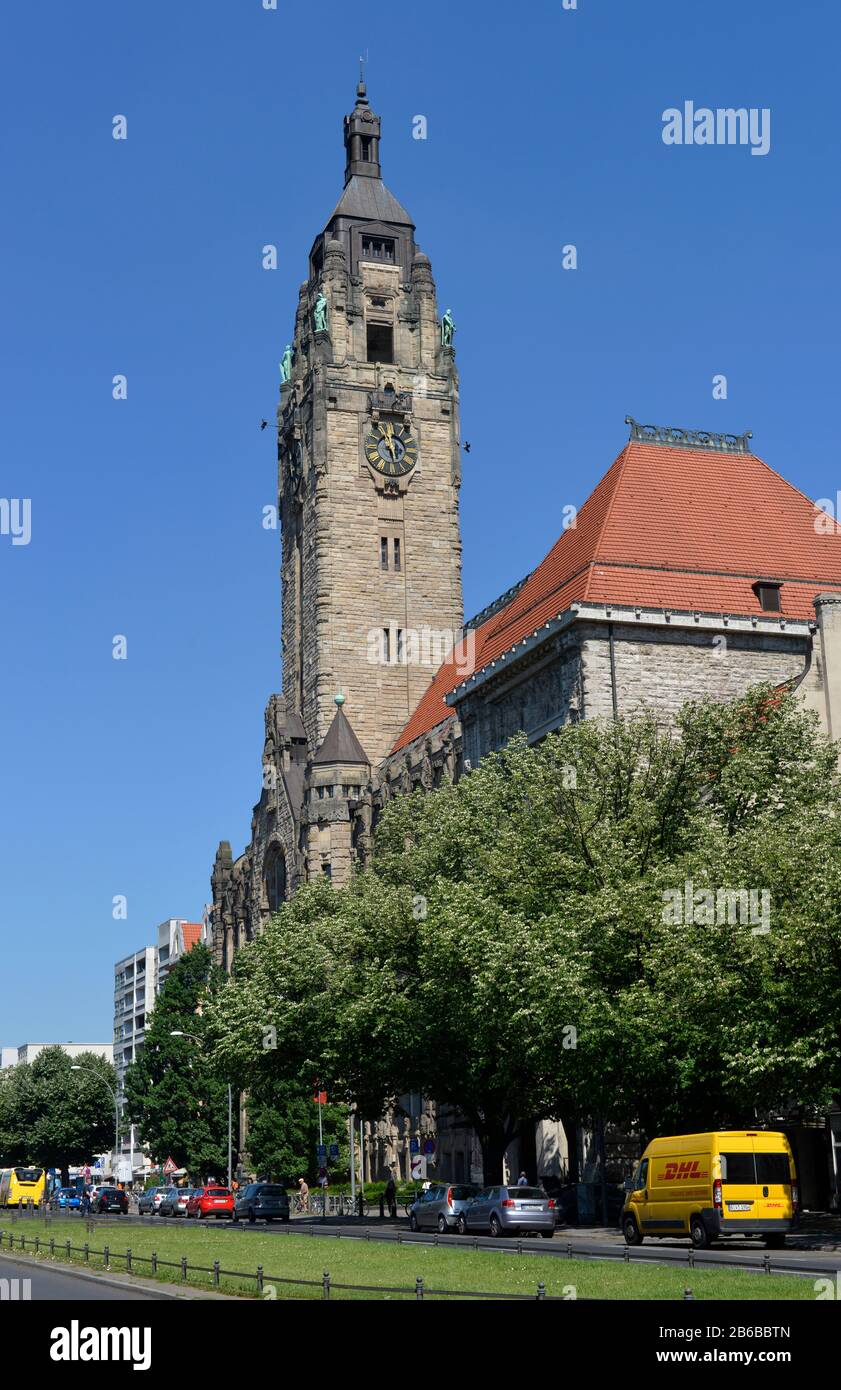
x=369 y=467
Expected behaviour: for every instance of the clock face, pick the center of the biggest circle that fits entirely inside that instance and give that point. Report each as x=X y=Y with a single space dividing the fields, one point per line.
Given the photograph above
x=391 y=449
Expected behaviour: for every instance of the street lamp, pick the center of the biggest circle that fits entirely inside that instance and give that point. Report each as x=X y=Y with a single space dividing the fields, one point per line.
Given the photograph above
x=179 y=1033
x=77 y=1067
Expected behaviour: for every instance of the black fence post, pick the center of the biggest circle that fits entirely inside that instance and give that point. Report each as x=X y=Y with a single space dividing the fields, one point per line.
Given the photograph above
x=687 y=1295
x=325 y=1285
x=419 y=1288
x=52 y=1247
x=541 y=1291
x=184 y=1268
x=154 y=1261
x=128 y=1260
x=87 y=1253
x=259 y=1278
x=216 y=1273
x=106 y=1256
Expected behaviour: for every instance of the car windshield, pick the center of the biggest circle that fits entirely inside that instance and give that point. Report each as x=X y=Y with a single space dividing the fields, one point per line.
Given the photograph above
x=270 y=1190
x=28 y=1174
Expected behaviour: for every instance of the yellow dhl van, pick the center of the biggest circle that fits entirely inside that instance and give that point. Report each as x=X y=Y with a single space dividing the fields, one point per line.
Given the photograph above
x=730 y=1183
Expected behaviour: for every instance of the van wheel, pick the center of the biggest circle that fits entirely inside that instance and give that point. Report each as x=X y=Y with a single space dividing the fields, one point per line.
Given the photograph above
x=631 y=1232
x=776 y=1241
x=698 y=1234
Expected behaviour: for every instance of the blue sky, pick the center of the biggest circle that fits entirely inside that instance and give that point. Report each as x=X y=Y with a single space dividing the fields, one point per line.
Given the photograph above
x=143 y=257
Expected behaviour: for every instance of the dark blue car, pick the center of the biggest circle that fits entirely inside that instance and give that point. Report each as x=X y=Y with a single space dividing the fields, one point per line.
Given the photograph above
x=67 y=1198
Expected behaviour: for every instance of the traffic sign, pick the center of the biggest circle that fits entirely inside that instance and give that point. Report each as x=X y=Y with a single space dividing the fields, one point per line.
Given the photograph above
x=429 y=1146
x=170 y=1166
x=414 y=1146
x=334 y=1151
x=321 y=1152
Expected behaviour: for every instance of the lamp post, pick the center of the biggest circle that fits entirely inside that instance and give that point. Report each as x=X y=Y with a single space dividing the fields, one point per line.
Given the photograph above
x=115 y=1099
x=179 y=1033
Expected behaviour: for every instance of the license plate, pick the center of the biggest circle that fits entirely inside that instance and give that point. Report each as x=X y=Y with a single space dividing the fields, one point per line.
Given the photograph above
x=739 y=1206
x=530 y=1206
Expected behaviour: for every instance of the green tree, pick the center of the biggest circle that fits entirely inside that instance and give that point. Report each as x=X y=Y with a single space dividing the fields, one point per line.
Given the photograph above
x=54 y=1116
x=508 y=949
x=283 y=1131
x=173 y=1092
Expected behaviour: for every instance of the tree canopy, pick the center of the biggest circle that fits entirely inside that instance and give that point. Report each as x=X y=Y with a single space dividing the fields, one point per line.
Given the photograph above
x=633 y=921
x=54 y=1116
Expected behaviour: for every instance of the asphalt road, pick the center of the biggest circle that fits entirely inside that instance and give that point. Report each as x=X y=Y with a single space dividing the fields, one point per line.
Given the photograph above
x=49 y=1284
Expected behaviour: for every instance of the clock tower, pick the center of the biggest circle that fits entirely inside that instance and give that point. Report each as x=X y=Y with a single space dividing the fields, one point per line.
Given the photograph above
x=369 y=466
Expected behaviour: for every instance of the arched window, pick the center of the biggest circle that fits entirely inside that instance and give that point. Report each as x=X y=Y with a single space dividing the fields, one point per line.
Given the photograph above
x=274 y=878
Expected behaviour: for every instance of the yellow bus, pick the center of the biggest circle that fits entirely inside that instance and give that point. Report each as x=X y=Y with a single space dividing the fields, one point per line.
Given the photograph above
x=18 y=1186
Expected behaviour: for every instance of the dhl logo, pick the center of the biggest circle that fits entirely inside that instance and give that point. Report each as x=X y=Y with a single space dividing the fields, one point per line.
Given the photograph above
x=688 y=1171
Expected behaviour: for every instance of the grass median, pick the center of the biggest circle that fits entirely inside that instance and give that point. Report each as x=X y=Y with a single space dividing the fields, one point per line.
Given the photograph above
x=384 y=1268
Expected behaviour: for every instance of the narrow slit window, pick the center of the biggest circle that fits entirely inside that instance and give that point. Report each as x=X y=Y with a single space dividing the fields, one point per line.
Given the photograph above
x=400 y=645
x=383 y=552
x=397 y=562
x=386 y=646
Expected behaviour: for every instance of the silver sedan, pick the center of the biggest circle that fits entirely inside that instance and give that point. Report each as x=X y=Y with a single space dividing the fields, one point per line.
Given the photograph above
x=509 y=1211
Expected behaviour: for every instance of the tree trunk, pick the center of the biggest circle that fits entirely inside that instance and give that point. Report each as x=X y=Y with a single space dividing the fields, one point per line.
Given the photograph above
x=494 y=1142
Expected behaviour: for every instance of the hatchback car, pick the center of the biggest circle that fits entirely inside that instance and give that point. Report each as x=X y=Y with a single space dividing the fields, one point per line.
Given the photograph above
x=206 y=1202
x=150 y=1200
x=262 y=1201
x=110 y=1199
x=174 y=1201
x=508 y=1211
x=67 y=1198
x=439 y=1207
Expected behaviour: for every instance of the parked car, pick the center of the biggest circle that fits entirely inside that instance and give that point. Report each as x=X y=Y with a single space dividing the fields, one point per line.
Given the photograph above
x=67 y=1198
x=150 y=1200
x=211 y=1201
x=509 y=1211
x=110 y=1199
x=174 y=1201
x=439 y=1206
x=261 y=1201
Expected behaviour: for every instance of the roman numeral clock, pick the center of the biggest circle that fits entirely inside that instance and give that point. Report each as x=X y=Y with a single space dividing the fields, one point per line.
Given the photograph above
x=391 y=449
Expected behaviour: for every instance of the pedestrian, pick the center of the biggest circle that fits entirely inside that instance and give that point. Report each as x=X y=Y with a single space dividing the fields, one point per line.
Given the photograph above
x=86 y=1202
x=391 y=1195
x=304 y=1194
x=522 y=1180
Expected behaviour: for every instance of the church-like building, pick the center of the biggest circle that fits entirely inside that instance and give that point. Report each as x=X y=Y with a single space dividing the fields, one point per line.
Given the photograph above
x=692 y=570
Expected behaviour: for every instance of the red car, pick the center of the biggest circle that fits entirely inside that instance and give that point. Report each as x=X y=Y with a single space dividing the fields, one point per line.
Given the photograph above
x=211 y=1201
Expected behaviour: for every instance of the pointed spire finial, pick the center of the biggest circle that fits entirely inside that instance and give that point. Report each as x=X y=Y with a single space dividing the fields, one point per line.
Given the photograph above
x=361 y=90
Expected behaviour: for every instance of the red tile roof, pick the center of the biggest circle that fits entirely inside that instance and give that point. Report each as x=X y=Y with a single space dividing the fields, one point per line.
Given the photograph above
x=666 y=527
x=191 y=932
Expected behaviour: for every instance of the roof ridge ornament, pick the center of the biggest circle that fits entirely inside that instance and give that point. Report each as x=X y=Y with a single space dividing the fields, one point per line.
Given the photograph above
x=707 y=440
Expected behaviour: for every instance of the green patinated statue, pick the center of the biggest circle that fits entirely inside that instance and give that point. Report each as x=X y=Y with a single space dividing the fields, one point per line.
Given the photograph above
x=320 y=315
x=286 y=366
x=448 y=329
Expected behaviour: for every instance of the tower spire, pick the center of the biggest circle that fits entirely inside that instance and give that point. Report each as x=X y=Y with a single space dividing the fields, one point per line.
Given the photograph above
x=362 y=136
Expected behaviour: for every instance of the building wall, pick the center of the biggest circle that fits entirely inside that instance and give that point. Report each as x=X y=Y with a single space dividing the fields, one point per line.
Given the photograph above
x=336 y=596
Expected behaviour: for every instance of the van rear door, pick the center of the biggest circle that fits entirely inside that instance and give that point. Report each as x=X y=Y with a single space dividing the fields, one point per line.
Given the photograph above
x=756 y=1186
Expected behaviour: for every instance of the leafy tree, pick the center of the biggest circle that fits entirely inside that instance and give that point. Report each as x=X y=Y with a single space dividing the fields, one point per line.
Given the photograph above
x=283 y=1130
x=53 y=1116
x=173 y=1092
x=508 y=949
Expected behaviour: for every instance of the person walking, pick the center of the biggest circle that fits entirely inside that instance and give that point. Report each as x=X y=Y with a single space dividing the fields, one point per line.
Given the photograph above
x=85 y=1204
x=522 y=1180
x=304 y=1194
x=391 y=1195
